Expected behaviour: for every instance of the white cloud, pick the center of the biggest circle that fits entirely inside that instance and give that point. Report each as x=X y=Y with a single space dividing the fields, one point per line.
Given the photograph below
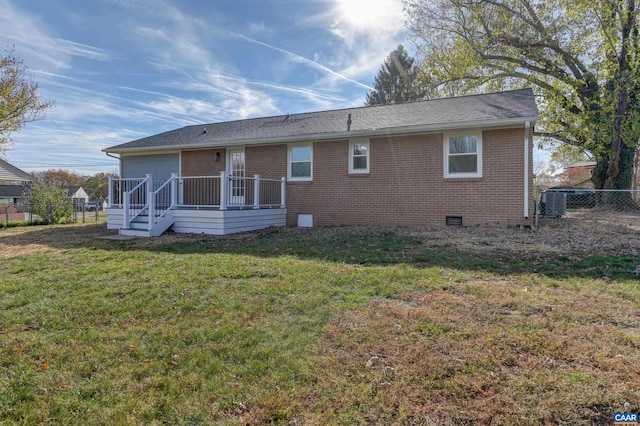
x=313 y=64
x=35 y=43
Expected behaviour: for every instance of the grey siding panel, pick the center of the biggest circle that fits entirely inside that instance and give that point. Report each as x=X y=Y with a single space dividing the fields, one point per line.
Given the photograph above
x=160 y=166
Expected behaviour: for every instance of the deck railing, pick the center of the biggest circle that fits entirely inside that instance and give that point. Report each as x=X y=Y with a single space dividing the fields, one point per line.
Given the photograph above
x=237 y=192
x=199 y=191
x=137 y=196
x=117 y=188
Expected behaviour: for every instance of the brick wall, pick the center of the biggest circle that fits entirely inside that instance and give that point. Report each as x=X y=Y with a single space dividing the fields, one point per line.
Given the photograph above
x=202 y=162
x=405 y=185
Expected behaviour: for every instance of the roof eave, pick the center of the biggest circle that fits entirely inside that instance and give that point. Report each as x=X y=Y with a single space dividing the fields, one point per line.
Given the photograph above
x=440 y=127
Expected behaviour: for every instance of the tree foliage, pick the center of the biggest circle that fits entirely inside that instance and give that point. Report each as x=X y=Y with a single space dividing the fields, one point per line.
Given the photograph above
x=581 y=56
x=59 y=178
x=97 y=186
x=19 y=99
x=396 y=80
x=49 y=202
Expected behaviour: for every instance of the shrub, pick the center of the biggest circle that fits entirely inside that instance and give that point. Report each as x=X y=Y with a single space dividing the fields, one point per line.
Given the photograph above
x=49 y=202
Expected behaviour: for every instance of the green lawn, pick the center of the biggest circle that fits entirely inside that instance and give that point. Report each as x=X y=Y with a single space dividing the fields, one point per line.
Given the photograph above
x=322 y=326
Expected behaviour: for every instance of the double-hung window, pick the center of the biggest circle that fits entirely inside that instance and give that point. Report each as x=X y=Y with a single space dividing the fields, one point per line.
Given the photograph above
x=359 y=156
x=463 y=155
x=300 y=162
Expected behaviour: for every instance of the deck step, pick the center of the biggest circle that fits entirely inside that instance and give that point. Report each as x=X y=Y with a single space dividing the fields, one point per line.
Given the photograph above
x=139 y=227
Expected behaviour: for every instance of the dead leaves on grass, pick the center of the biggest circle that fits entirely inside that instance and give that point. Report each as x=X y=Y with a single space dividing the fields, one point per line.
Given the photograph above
x=481 y=352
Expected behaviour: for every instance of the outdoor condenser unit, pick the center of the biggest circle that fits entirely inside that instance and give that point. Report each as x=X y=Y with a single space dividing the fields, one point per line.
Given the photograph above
x=555 y=203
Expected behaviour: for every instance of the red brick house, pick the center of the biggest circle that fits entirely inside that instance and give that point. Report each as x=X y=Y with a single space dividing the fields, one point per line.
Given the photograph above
x=464 y=160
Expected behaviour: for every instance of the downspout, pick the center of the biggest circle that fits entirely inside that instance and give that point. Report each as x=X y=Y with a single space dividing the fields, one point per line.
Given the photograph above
x=527 y=130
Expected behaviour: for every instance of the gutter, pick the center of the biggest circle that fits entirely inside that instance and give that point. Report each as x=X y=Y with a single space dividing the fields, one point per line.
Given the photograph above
x=117 y=158
x=392 y=131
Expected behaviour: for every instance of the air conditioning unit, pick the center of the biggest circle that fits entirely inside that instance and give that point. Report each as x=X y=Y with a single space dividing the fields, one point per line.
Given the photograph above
x=554 y=203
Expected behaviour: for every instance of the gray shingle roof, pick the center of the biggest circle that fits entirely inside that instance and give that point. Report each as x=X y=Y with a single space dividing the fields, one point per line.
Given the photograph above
x=9 y=172
x=11 y=191
x=439 y=114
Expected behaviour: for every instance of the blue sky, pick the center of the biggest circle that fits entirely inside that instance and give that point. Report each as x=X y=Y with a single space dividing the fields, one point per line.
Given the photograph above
x=119 y=70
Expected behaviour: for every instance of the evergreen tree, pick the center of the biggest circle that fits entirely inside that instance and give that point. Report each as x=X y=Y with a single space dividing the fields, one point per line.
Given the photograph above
x=396 y=80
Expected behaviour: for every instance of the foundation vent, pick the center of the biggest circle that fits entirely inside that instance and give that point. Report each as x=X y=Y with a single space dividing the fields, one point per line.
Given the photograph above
x=454 y=220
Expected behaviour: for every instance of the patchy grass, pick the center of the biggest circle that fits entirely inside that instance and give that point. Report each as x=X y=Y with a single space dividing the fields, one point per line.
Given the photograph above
x=322 y=326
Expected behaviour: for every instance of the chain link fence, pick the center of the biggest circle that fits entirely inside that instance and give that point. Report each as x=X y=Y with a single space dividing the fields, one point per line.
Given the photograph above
x=576 y=202
x=16 y=214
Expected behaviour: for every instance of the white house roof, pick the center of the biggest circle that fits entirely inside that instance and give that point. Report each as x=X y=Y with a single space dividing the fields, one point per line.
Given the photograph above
x=493 y=109
x=9 y=172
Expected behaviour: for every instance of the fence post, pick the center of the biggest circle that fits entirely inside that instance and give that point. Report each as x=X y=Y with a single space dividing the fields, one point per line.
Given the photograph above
x=256 y=191
x=224 y=187
x=6 y=213
x=283 y=192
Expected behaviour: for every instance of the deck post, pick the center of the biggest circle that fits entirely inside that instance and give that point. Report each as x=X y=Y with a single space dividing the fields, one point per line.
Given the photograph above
x=174 y=190
x=126 y=217
x=224 y=187
x=110 y=196
x=283 y=192
x=151 y=202
x=256 y=191
x=152 y=210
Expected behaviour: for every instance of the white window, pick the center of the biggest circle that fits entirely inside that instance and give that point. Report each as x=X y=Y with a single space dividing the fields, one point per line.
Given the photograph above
x=359 y=156
x=463 y=155
x=300 y=162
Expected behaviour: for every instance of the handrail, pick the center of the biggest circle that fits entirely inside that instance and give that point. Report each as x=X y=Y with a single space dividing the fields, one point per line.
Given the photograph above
x=166 y=202
x=127 y=201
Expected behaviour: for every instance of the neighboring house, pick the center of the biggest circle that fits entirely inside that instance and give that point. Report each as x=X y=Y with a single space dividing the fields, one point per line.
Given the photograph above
x=458 y=161
x=13 y=175
x=12 y=182
x=77 y=193
x=579 y=174
x=11 y=194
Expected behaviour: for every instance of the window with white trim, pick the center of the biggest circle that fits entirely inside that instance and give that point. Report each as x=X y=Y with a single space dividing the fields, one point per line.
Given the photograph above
x=300 y=162
x=359 y=156
x=463 y=155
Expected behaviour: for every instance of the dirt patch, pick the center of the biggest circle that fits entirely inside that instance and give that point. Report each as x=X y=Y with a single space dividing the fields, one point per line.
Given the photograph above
x=579 y=235
x=35 y=239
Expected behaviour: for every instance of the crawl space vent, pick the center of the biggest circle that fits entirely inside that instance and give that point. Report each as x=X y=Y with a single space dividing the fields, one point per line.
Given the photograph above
x=454 y=220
